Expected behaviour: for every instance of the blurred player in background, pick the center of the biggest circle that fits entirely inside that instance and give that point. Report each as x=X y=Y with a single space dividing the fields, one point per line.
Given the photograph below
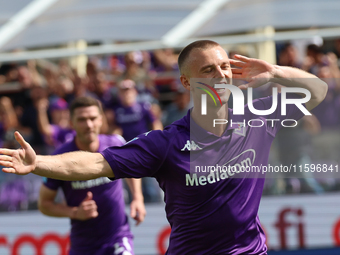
x=132 y=118
x=95 y=207
x=58 y=132
x=208 y=214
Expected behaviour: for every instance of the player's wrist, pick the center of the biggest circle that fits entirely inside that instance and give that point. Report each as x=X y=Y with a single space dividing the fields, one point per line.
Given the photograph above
x=74 y=212
x=38 y=164
x=277 y=73
x=138 y=197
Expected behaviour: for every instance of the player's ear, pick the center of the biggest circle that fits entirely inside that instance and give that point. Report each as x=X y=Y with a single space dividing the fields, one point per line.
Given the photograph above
x=185 y=81
x=101 y=118
x=71 y=122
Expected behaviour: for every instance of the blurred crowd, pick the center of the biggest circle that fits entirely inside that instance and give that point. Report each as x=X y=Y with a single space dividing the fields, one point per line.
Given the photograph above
x=141 y=91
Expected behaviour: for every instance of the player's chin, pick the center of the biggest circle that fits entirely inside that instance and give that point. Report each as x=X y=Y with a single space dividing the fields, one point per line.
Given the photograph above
x=91 y=136
x=225 y=96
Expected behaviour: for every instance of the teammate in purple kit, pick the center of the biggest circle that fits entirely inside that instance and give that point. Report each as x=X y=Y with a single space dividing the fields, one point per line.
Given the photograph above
x=131 y=116
x=212 y=214
x=95 y=207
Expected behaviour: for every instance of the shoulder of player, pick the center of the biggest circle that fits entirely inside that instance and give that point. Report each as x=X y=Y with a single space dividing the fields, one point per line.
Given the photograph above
x=112 y=140
x=65 y=147
x=145 y=105
x=170 y=133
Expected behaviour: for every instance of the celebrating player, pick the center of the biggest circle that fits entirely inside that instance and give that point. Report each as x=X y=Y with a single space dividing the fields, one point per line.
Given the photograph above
x=214 y=214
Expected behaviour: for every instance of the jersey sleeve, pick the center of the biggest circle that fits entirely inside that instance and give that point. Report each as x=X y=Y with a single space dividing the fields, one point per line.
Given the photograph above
x=52 y=183
x=143 y=156
x=276 y=120
x=120 y=140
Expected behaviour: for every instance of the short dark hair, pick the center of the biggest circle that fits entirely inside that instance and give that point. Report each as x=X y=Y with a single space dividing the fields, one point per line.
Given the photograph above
x=314 y=48
x=85 y=102
x=201 y=44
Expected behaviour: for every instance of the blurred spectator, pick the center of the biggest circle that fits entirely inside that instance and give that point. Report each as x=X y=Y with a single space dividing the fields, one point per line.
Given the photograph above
x=326 y=145
x=178 y=108
x=293 y=146
x=29 y=118
x=65 y=70
x=166 y=68
x=59 y=131
x=337 y=48
x=8 y=122
x=102 y=89
x=314 y=60
x=288 y=56
x=14 y=195
x=133 y=118
x=64 y=88
x=328 y=110
x=135 y=72
x=166 y=60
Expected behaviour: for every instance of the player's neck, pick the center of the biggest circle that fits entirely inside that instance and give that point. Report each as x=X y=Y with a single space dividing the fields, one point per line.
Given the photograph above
x=128 y=104
x=207 y=121
x=91 y=147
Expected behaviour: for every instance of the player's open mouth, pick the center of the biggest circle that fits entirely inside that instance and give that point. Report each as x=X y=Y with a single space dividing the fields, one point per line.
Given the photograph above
x=220 y=90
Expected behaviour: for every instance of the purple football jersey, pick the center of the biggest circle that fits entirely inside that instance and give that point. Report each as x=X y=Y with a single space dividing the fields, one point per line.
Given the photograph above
x=133 y=120
x=61 y=135
x=208 y=214
x=327 y=111
x=2 y=133
x=111 y=225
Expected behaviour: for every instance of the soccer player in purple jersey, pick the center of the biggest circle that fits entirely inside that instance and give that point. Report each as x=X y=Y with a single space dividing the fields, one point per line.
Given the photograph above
x=213 y=214
x=96 y=207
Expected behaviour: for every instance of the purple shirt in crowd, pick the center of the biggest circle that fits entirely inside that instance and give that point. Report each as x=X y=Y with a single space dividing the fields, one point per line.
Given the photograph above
x=214 y=214
x=327 y=112
x=111 y=225
x=2 y=133
x=133 y=120
x=61 y=135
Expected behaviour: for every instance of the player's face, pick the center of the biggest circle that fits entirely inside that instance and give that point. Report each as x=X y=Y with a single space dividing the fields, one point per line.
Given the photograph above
x=213 y=66
x=87 y=121
x=127 y=96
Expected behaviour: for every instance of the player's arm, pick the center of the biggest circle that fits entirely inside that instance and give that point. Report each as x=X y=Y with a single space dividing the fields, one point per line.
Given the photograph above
x=137 y=208
x=10 y=119
x=258 y=72
x=293 y=77
x=154 y=116
x=157 y=125
x=70 y=166
x=48 y=207
x=42 y=120
x=46 y=204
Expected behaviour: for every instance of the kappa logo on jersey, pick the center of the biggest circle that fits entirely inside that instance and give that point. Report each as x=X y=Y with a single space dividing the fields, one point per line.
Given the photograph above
x=191 y=146
x=134 y=139
x=146 y=133
x=241 y=128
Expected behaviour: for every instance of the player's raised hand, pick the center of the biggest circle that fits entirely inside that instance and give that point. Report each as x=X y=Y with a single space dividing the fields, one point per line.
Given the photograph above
x=255 y=71
x=21 y=161
x=137 y=210
x=87 y=208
